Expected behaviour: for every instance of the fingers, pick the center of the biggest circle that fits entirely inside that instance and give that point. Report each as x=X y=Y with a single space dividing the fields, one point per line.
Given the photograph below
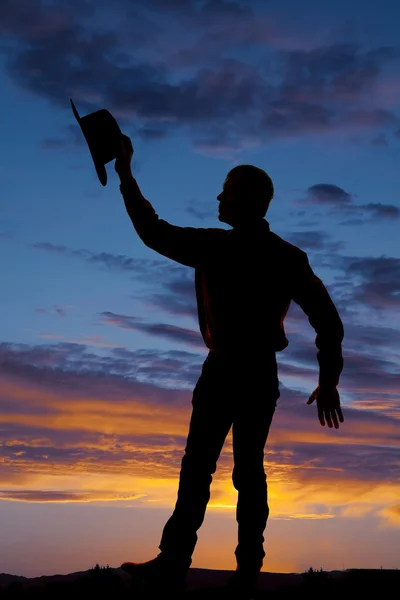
x=331 y=417
x=127 y=143
x=312 y=397
x=121 y=149
x=328 y=418
x=335 y=420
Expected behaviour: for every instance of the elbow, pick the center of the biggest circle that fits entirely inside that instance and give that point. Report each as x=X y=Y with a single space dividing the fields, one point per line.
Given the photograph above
x=329 y=333
x=145 y=232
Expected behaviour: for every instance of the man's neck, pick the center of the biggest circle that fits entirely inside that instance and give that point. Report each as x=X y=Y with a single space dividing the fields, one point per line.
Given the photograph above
x=249 y=224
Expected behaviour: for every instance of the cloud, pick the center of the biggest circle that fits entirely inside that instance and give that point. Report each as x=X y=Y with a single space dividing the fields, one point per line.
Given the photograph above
x=313 y=240
x=53 y=143
x=379 y=140
x=60 y=311
x=371 y=336
x=341 y=203
x=327 y=193
x=62 y=497
x=178 y=299
x=172 y=286
x=360 y=373
x=364 y=289
x=160 y=90
x=392 y=514
x=75 y=423
x=71 y=134
x=170 y=332
x=323 y=464
x=119 y=262
x=174 y=367
x=35 y=19
x=201 y=212
x=89 y=340
x=151 y=134
x=366 y=283
x=378 y=210
x=379 y=277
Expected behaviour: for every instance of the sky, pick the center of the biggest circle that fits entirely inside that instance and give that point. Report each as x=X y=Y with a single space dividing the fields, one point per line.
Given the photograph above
x=99 y=342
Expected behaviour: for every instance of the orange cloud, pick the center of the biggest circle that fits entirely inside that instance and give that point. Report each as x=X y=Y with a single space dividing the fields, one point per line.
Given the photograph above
x=74 y=436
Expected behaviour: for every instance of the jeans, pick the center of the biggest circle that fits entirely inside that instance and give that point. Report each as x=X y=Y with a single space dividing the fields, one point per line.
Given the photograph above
x=238 y=390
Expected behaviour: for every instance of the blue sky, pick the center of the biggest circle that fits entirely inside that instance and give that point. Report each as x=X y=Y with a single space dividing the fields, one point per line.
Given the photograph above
x=100 y=348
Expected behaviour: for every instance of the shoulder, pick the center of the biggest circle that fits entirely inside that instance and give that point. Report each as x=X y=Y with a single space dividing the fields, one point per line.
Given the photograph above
x=206 y=233
x=218 y=231
x=214 y=234
x=210 y=240
x=287 y=249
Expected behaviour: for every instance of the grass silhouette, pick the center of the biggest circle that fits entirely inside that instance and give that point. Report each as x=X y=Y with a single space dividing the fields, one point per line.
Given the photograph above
x=105 y=581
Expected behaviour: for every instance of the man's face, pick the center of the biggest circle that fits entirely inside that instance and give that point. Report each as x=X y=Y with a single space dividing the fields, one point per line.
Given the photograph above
x=229 y=201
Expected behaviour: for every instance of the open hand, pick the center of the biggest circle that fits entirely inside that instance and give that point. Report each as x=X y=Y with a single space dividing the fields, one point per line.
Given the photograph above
x=328 y=405
x=124 y=157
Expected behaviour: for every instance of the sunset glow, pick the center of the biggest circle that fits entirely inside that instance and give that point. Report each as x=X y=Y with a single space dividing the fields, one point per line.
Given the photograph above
x=100 y=346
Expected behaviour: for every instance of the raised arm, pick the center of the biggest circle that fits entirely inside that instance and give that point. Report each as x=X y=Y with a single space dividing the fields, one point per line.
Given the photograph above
x=186 y=245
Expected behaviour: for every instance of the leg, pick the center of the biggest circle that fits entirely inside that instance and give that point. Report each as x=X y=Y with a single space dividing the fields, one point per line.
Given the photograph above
x=250 y=431
x=210 y=423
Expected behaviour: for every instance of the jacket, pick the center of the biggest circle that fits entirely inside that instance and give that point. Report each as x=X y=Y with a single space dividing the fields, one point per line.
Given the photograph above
x=245 y=280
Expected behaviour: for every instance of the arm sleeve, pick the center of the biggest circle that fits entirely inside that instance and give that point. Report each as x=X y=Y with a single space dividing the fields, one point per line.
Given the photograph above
x=185 y=245
x=313 y=298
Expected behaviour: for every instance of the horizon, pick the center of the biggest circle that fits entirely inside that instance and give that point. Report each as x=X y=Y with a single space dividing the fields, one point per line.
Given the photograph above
x=205 y=581
x=98 y=566
x=100 y=346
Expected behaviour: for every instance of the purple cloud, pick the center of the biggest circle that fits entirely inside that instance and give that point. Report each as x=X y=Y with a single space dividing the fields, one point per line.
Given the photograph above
x=380 y=281
x=177 y=295
x=179 y=299
x=76 y=361
x=53 y=143
x=158 y=89
x=318 y=462
x=170 y=332
x=379 y=140
x=339 y=203
x=365 y=449
x=327 y=193
x=313 y=240
x=60 y=496
x=378 y=210
x=110 y=261
x=201 y=212
x=60 y=311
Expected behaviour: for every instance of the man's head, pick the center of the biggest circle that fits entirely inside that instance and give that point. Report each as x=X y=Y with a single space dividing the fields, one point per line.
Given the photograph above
x=246 y=194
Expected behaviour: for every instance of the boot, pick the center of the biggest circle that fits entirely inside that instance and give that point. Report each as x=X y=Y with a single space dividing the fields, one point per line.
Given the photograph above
x=243 y=583
x=159 y=573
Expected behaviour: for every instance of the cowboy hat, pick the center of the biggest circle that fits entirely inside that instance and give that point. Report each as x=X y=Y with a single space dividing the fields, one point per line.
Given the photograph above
x=103 y=135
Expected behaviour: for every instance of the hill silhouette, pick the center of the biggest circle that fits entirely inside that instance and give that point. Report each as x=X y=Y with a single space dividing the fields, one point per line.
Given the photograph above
x=204 y=584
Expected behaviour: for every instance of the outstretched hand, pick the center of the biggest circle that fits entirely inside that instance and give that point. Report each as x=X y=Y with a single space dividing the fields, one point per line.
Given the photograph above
x=328 y=405
x=124 y=157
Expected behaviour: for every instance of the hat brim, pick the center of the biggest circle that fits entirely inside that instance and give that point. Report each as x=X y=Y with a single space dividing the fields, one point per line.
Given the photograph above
x=100 y=168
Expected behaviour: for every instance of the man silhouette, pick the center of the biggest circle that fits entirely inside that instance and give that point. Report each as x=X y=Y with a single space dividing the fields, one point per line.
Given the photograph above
x=245 y=279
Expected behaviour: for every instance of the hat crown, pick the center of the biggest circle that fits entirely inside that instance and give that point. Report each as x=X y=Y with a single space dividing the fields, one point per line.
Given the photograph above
x=103 y=135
